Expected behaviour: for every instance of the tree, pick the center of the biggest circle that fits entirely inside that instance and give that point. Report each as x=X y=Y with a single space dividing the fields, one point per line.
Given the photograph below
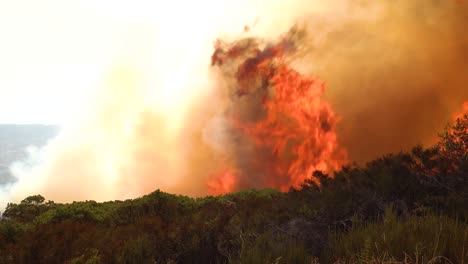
x=28 y=209
x=33 y=199
x=453 y=151
x=453 y=143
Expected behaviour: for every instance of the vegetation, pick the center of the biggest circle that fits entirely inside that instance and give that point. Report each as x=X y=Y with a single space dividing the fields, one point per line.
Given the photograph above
x=409 y=207
x=415 y=240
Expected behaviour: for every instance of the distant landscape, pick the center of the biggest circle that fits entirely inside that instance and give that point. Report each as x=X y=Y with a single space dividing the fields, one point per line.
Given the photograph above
x=14 y=141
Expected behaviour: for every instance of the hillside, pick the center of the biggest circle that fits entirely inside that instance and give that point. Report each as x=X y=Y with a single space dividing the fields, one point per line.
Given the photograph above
x=407 y=207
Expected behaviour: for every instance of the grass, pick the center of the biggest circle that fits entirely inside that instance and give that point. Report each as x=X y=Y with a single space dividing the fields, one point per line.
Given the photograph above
x=420 y=240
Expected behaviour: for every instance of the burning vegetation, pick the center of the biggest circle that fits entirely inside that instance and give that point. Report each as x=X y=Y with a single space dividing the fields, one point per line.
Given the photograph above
x=282 y=127
x=411 y=207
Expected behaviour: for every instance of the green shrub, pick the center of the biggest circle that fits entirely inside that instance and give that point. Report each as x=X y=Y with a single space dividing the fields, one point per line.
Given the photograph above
x=10 y=231
x=91 y=256
x=414 y=240
x=136 y=251
x=267 y=248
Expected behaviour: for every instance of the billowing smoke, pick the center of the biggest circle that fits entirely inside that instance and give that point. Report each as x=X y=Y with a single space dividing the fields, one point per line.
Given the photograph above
x=164 y=117
x=396 y=80
x=276 y=129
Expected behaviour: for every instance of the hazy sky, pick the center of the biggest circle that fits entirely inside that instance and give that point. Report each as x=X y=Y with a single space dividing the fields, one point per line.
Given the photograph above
x=50 y=55
x=54 y=53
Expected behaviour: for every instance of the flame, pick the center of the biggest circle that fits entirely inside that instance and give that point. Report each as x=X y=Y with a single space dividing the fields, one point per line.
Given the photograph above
x=222 y=182
x=463 y=111
x=280 y=115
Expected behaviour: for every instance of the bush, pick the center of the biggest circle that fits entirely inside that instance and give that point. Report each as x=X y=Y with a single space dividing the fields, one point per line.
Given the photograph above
x=91 y=256
x=268 y=248
x=136 y=251
x=416 y=239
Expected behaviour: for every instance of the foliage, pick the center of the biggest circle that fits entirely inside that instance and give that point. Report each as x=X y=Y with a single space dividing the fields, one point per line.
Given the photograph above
x=400 y=207
x=417 y=238
x=268 y=248
x=138 y=250
x=91 y=256
x=28 y=209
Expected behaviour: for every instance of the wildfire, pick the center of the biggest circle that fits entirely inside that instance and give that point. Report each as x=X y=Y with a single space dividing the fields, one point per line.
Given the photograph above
x=222 y=182
x=463 y=111
x=284 y=130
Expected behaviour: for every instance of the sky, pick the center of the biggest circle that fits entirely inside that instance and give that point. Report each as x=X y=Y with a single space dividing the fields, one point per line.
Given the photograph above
x=51 y=54
x=54 y=53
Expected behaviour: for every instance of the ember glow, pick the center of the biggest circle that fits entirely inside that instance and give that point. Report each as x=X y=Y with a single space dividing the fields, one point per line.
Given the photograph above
x=284 y=128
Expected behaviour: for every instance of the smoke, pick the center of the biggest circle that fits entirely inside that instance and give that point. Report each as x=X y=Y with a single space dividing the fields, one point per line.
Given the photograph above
x=394 y=72
x=277 y=129
x=396 y=80
x=461 y=112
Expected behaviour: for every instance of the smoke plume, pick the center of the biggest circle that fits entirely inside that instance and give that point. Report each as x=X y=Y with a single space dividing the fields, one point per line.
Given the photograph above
x=396 y=80
x=165 y=118
x=277 y=128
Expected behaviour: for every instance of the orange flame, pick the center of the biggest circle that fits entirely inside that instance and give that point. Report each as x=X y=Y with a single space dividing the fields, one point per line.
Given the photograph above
x=278 y=113
x=222 y=182
x=463 y=111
